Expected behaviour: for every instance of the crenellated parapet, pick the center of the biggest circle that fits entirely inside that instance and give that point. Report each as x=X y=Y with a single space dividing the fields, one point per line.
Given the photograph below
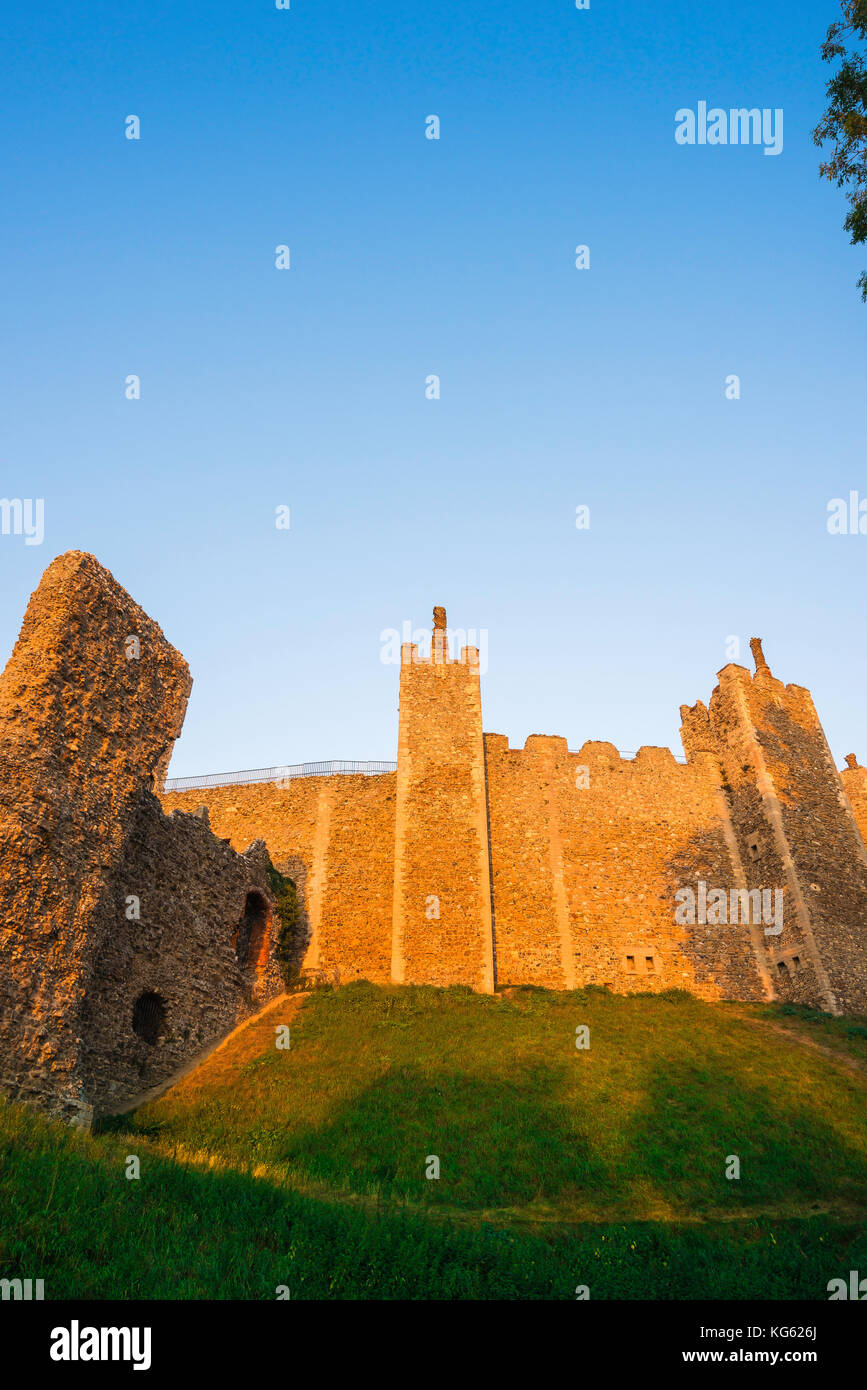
x=132 y=939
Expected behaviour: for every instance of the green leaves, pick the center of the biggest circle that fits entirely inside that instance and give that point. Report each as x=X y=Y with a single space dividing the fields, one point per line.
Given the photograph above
x=287 y=949
x=845 y=121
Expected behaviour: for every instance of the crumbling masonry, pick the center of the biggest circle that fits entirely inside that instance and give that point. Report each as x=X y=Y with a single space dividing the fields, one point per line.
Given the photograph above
x=132 y=939
x=120 y=925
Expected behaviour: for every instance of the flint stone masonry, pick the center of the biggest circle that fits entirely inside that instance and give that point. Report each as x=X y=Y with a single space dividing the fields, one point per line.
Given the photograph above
x=136 y=932
x=442 y=930
x=91 y=701
x=795 y=826
x=193 y=891
x=483 y=865
x=854 y=779
x=588 y=852
x=334 y=837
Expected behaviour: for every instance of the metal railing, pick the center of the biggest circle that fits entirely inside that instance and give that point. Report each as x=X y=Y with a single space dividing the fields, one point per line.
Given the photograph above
x=335 y=767
x=678 y=757
x=278 y=774
x=629 y=755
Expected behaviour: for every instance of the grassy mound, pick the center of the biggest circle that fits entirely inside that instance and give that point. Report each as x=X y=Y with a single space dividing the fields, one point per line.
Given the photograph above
x=602 y=1166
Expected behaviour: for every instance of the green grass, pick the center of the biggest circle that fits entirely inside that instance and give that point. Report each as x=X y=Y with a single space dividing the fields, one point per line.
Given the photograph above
x=558 y=1167
x=845 y=1035
x=639 y=1124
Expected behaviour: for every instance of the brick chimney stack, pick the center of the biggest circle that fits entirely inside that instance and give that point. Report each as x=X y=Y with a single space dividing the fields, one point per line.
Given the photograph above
x=439 y=643
x=758 y=654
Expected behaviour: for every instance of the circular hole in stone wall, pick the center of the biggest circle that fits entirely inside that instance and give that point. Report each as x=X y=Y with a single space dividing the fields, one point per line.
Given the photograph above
x=149 y=1017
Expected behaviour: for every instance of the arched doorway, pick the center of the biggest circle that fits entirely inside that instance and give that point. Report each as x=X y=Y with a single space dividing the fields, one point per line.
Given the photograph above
x=251 y=938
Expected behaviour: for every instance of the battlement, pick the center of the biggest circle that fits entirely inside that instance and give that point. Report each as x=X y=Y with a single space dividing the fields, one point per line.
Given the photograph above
x=473 y=863
x=410 y=654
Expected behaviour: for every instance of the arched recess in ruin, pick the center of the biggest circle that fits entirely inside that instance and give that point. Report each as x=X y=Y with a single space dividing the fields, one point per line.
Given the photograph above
x=251 y=937
x=149 y=1017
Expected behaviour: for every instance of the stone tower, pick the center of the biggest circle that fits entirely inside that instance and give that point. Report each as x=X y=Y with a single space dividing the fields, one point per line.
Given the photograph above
x=793 y=826
x=441 y=921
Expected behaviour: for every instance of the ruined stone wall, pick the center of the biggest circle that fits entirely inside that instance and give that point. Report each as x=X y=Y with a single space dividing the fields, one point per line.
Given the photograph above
x=180 y=948
x=442 y=929
x=91 y=701
x=290 y=818
x=588 y=850
x=85 y=723
x=334 y=836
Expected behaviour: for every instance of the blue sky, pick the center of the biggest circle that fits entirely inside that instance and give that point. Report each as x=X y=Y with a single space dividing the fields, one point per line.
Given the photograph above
x=411 y=257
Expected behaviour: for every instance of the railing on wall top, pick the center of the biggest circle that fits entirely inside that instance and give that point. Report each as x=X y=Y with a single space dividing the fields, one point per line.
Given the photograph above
x=335 y=767
x=278 y=774
x=678 y=757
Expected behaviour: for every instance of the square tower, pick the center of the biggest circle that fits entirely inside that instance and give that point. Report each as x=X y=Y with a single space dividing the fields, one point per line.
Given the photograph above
x=441 y=922
x=795 y=829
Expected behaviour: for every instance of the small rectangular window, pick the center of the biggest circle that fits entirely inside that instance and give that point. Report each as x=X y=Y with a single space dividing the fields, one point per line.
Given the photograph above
x=630 y=963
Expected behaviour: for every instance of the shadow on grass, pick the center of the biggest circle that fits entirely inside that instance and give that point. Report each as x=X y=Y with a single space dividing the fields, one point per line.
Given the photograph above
x=500 y=1142
x=68 y=1215
x=696 y=1116
x=670 y=1092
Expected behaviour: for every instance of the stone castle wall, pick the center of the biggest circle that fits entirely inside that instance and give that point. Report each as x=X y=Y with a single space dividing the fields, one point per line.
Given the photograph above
x=193 y=893
x=131 y=939
x=334 y=837
x=854 y=779
x=588 y=851
x=487 y=865
x=91 y=701
x=795 y=827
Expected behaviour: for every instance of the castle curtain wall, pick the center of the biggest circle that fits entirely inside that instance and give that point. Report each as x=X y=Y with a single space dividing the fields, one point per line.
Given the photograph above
x=588 y=851
x=334 y=836
x=484 y=865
